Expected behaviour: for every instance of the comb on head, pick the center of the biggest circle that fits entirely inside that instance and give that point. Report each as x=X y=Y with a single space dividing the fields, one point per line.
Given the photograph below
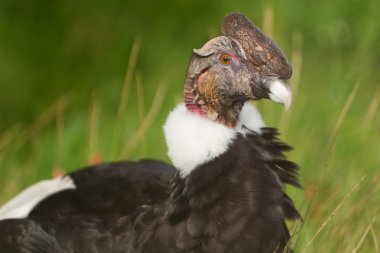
x=260 y=50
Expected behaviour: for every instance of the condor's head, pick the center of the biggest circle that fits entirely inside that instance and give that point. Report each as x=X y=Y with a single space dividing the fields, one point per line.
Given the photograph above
x=229 y=70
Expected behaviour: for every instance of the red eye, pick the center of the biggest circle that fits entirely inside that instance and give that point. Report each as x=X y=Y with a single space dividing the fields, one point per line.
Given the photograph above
x=225 y=59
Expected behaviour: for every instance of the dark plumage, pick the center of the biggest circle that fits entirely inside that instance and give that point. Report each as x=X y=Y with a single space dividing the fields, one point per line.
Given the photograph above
x=228 y=201
x=234 y=203
x=117 y=187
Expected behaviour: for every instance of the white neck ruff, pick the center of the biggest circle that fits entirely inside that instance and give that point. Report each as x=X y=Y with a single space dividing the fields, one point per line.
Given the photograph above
x=193 y=140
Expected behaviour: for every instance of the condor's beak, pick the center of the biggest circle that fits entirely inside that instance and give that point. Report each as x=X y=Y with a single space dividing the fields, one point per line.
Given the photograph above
x=280 y=92
x=274 y=89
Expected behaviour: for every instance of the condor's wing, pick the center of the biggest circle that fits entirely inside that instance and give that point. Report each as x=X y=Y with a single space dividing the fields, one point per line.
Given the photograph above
x=117 y=187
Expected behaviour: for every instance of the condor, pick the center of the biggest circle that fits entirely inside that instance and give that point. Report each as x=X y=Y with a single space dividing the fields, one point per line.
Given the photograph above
x=224 y=193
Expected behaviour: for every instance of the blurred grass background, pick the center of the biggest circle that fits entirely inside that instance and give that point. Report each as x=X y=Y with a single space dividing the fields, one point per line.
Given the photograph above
x=88 y=81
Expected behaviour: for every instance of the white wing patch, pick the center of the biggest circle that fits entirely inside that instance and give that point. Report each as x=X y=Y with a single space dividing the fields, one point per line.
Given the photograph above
x=21 y=205
x=193 y=140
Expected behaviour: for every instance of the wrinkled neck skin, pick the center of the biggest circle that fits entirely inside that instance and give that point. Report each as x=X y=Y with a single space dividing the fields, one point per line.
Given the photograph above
x=211 y=107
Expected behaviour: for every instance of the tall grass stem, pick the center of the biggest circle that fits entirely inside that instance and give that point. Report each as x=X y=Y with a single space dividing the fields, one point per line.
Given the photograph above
x=334 y=212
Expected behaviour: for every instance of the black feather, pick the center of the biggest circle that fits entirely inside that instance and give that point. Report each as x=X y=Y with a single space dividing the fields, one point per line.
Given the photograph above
x=233 y=203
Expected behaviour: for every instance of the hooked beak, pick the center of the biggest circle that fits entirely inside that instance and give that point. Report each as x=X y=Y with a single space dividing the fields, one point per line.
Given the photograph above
x=280 y=92
x=274 y=89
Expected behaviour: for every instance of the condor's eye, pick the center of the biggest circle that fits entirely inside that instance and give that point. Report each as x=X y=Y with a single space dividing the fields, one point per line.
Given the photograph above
x=225 y=59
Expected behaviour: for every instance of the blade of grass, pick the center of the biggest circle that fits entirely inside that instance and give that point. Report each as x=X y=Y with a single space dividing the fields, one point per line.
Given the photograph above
x=60 y=109
x=374 y=239
x=45 y=117
x=362 y=238
x=39 y=123
x=93 y=126
x=140 y=107
x=306 y=215
x=331 y=144
x=372 y=230
x=140 y=97
x=268 y=109
x=373 y=189
x=148 y=120
x=7 y=137
x=125 y=93
x=341 y=117
x=334 y=212
x=277 y=247
x=371 y=112
x=18 y=138
x=268 y=18
x=295 y=230
x=296 y=60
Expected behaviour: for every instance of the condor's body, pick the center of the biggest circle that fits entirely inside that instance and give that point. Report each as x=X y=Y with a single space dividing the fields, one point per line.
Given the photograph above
x=223 y=195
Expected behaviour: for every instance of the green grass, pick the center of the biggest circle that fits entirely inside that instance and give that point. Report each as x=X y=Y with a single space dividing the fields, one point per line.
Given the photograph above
x=96 y=106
